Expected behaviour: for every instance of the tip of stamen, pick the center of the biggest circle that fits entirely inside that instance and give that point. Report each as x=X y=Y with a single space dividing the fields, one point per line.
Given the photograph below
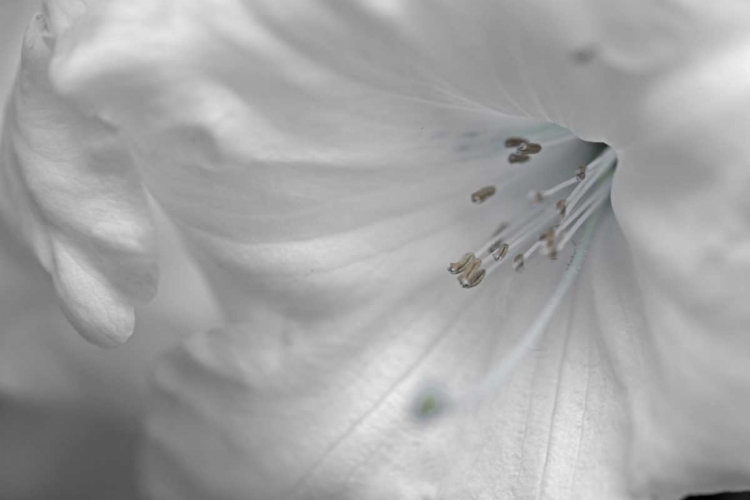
x=472 y=280
x=514 y=142
x=461 y=264
x=500 y=251
x=516 y=158
x=529 y=148
x=518 y=262
x=561 y=207
x=481 y=195
x=581 y=172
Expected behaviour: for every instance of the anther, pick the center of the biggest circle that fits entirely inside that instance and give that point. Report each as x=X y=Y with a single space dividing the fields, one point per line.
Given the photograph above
x=472 y=275
x=516 y=158
x=460 y=265
x=518 y=262
x=500 y=252
x=514 y=142
x=481 y=195
x=561 y=207
x=581 y=172
x=528 y=148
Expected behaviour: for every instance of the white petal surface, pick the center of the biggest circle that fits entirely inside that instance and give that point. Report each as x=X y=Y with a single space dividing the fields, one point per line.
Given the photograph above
x=14 y=16
x=693 y=265
x=71 y=188
x=301 y=146
x=285 y=408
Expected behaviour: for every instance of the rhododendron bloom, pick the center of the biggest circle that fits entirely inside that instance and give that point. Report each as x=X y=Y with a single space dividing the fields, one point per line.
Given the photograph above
x=325 y=161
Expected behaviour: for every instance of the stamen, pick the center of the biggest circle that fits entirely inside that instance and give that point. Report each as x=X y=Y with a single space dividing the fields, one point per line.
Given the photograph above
x=581 y=172
x=607 y=161
x=500 y=251
x=524 y=235
x=547 y=228
x=481 y=195
x=505 y=229
x=535 y=141
x=530 y=252
x=514 y=142
x=460 y=265
x=528 y=148
x=539 y=196
x=472 y=275
x=561 y=207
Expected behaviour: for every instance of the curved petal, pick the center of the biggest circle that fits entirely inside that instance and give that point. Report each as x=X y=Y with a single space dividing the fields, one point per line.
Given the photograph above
x=72 y=188
x=70 y=414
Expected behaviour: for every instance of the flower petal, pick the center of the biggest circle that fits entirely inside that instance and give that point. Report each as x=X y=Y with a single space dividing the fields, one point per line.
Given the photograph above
x=560 y=427
x=276 y=156
x=681 y=196
x=73 y=190
x=70 y=414
x=290 y=408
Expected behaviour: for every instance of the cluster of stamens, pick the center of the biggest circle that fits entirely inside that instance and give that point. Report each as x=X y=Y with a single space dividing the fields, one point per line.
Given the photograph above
x=551 y=223
x=556 y=215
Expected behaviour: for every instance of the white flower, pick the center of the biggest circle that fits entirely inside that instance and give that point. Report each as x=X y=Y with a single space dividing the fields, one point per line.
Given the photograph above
x=318 y=157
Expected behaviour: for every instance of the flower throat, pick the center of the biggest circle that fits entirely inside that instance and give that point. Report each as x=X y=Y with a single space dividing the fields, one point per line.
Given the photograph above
x=557 y=213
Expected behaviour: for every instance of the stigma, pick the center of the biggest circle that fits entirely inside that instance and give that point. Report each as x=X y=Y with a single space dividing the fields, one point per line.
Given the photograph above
x=555 y=214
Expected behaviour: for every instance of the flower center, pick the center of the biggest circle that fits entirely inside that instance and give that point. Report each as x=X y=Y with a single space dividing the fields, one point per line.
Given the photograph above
x=556 y=214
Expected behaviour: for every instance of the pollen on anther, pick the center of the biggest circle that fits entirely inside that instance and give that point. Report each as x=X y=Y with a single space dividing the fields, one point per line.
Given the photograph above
x=561 y=207
x=481 y=195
